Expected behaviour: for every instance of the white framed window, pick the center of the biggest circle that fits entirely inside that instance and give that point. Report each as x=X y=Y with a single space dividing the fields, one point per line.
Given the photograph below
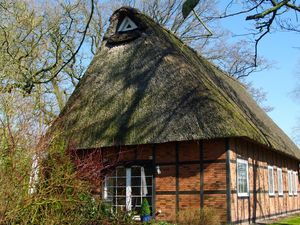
x=290 y=182
x=295 y=183
x=271 y=180
x=242 y=178
x=126 y=188
x=127 y=24
x=280 y=186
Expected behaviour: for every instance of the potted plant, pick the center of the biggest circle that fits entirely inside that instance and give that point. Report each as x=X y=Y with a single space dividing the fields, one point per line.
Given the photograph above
x=145 y=211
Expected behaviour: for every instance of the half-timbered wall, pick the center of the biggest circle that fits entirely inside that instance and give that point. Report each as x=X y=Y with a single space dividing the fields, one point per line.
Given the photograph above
x=193 y=173
x=203 y=173
x=259 y=204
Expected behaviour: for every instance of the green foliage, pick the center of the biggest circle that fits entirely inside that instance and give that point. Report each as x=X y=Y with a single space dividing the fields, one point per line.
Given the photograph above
x=61 y=196
x=145 y=209
x=203 y=216
x=188 y=6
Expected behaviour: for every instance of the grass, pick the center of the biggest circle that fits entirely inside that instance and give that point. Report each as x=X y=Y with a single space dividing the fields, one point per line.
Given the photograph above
x=294 y=220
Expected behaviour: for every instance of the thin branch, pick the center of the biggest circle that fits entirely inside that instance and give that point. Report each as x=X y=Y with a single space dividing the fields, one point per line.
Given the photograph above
x=204 y=25
x=262 y=35
x=72 y=56
x=238 y=13
x=268 y=11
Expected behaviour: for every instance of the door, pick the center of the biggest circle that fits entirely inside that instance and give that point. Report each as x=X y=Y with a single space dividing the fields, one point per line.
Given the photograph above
x=126 y=188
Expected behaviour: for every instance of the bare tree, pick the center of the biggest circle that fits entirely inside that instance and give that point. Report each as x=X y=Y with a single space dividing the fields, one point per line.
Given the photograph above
x=39 y=44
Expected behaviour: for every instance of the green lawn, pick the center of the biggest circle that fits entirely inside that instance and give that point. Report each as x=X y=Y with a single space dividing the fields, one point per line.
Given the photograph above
x=294 y=220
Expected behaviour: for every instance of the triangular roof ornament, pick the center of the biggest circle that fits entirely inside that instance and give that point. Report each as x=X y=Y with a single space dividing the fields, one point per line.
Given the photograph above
x=127 y=25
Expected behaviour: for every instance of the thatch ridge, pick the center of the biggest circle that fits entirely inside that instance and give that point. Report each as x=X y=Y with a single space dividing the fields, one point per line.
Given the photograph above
x=153 y=88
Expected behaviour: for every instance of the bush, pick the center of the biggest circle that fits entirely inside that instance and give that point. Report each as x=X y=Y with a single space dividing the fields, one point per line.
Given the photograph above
x=204 y=216
x=145 y=210
x=61 y=197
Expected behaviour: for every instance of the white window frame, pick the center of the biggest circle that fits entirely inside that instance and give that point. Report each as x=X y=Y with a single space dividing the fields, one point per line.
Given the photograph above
x=127 y=21
x=290 y=182
x=295 y=178
x=271 y=192
x=108 y=197
x=279 y=182
x=242 y=194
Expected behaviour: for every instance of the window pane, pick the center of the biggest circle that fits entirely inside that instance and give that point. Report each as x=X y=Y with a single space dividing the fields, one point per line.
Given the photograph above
x=295 y=183
x=120 y=201
x=136 y=190
x=242 y=177
x=290 y=183
x=110 y=181
x=136 y=181
x=121 y=181
x=121 y=172
x=136 y=201
x=271 y=180
x=136 y=171
x=121 y=191
x=280 y=188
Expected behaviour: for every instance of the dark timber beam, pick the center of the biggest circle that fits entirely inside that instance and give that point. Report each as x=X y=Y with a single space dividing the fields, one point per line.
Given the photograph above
x=177 y=176
x=228 y=179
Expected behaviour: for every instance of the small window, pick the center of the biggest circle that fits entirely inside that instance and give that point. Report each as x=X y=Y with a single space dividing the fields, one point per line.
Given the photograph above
x=295 y=183
x=242 y=178
x=280 y=187
x=127 y=25
x=290 y=182
x=271 y=180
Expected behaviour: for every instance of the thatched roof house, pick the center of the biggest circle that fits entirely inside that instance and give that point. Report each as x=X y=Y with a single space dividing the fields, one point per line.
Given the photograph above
x=145 y=87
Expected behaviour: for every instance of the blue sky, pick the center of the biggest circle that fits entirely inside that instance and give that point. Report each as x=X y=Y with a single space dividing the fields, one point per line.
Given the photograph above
x=280 y=80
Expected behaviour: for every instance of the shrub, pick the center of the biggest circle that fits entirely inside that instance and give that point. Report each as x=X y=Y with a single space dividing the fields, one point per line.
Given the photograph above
x=145 y=209
x=61 y=197
x=204 y=216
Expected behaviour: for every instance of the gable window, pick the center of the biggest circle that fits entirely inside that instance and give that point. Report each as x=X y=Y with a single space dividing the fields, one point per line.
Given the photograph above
x=295 y=183
x=126 y=188
x=279 y=176
x=242 y=178
x=126 y=25
x=290 y=182
x=271 y=180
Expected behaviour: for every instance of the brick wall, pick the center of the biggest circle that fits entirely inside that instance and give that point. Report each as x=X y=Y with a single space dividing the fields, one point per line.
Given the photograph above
x=187 y=180
x=189 y=184
x=259 y=204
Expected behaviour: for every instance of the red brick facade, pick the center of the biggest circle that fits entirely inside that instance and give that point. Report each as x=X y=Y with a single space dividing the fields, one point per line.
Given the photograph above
x=260 y=205
x=196 y=173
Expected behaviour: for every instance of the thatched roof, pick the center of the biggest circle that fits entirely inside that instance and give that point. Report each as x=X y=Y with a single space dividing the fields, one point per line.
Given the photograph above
x=146 y=86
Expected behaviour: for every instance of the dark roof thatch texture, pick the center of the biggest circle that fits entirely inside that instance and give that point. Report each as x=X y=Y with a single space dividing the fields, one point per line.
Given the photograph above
x=149 y=87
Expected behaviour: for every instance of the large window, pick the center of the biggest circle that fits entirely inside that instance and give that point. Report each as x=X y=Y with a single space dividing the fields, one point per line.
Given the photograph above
x=280 y=186
x=271 y=180
x=242 y=178
x=126 y=188
x=290 y=182
x=295 y=183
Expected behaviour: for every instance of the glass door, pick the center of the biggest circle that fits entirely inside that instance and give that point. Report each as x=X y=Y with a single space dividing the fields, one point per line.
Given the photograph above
x=127 y=187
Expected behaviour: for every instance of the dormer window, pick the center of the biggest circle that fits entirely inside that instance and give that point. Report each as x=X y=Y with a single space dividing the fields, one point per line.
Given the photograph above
x=127 y=25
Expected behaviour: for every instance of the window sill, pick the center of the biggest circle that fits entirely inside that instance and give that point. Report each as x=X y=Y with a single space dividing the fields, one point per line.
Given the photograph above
x=243 y=195
x=280 y=195
x=272 y=194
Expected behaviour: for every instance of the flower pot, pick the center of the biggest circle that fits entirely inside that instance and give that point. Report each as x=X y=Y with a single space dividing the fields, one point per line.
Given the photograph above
x=145 y=218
